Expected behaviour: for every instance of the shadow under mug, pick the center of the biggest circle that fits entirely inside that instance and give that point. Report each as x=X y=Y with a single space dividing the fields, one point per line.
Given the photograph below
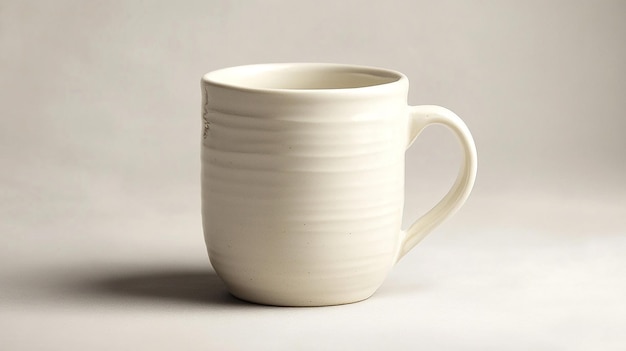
x=303 y=179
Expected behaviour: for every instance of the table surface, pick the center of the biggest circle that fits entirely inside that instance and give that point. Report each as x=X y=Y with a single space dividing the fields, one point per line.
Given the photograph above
x=534 y=273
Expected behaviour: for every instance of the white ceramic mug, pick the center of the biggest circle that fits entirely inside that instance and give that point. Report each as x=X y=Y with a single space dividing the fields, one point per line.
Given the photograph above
x=303 y=179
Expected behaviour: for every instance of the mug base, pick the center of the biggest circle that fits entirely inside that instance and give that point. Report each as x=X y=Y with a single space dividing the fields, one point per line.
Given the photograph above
x=303 y=301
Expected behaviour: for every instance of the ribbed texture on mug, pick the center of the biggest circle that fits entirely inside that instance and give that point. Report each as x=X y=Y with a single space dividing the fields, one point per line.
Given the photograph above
x=302 y=212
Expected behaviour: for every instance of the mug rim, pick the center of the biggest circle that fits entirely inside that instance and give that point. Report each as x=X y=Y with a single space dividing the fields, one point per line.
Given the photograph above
x=387 y=77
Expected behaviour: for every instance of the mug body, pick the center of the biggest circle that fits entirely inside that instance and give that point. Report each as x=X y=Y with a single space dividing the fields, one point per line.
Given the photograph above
x=303 y=180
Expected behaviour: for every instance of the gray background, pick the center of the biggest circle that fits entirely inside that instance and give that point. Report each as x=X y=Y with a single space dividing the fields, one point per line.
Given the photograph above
x=100 y=236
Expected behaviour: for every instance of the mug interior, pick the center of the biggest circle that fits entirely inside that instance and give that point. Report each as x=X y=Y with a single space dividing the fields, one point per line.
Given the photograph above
x=301 y=76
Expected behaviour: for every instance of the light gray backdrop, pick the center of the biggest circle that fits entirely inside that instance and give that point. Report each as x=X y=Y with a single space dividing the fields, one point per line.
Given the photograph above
x=99 y=149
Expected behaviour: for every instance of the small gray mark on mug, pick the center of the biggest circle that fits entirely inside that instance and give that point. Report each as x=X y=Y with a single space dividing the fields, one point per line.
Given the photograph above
x=205 y=112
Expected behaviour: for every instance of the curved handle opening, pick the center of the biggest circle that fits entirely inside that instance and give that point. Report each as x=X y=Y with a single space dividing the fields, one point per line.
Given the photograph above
x=420 y=117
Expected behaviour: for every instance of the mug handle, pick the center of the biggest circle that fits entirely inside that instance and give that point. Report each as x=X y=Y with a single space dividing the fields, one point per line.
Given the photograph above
x=419 y=118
